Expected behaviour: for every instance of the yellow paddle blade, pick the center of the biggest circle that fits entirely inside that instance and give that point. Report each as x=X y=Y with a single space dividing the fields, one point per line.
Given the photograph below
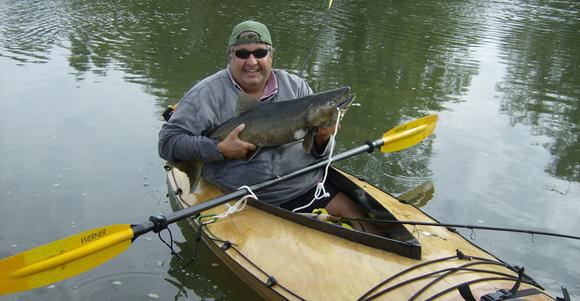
x=408 y=134
x=329 y=3
x=63 y=259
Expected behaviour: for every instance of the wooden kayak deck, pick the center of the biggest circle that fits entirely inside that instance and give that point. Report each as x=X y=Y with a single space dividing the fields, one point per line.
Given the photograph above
x=281 y=259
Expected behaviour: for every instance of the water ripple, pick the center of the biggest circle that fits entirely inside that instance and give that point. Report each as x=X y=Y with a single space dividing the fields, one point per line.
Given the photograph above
x=29 y=29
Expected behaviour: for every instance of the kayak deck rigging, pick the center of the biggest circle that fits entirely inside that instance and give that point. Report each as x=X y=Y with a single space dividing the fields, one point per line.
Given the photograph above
x=442 y=273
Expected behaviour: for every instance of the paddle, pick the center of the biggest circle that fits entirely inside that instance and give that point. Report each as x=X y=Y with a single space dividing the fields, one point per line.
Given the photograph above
x=76 y=254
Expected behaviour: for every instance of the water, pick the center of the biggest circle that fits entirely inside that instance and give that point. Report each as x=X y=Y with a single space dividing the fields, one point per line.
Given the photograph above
x=82 y=85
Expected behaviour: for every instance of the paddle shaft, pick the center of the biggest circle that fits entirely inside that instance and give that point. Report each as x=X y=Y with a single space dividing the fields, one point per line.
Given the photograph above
x=402 y=137
x=75 y=254
x=193 y=210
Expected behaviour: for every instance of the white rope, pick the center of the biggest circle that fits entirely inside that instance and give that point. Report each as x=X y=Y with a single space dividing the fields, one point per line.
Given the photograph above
x=239 y=205
x=320 y=190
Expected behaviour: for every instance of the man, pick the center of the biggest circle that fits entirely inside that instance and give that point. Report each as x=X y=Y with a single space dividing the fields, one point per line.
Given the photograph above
x=214 y=100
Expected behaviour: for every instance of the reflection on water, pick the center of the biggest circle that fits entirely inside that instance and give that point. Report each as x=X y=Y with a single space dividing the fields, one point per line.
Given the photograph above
x=420 y=195
x=540 y=88
x=475 y=62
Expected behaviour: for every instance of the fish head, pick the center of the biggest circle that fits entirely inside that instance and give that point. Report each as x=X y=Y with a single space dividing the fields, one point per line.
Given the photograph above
x=324 y=108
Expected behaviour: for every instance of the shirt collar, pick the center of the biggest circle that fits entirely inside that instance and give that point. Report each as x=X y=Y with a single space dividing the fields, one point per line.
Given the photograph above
x=271 y=85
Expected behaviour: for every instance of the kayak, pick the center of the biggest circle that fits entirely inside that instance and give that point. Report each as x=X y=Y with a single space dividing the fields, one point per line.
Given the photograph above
x=288 y=256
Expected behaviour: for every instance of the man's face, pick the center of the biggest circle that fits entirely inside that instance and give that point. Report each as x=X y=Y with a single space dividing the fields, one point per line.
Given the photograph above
x=250 y=71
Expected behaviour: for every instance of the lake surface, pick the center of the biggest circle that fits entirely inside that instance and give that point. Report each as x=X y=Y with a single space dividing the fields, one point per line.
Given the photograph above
x=83 y=83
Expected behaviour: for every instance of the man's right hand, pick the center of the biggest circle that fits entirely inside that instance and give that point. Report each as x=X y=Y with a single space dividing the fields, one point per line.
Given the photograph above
x=233 y=148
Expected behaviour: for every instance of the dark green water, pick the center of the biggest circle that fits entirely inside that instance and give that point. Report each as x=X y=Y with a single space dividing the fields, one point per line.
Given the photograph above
x=82 y=85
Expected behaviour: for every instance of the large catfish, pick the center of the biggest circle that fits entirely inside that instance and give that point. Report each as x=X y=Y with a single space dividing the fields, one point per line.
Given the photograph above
x=273 y=124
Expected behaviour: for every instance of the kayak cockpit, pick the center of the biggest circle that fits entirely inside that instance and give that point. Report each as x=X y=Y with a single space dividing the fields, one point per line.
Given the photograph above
x=393 y=238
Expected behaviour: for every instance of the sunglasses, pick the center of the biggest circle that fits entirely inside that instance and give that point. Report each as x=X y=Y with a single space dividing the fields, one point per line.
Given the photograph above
x=245 y=53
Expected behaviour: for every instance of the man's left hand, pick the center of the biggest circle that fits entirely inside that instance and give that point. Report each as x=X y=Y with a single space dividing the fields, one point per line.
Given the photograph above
x=322 y=136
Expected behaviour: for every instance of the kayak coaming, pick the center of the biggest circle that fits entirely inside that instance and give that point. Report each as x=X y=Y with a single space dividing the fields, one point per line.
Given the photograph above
x=309 y=264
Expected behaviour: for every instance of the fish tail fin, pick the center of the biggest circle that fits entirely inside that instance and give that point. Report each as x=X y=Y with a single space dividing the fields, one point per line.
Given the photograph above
x=193 y=171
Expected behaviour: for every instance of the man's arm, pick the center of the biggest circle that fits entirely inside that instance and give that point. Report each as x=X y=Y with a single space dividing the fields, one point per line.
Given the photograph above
x=177 y=145
x=181 y=138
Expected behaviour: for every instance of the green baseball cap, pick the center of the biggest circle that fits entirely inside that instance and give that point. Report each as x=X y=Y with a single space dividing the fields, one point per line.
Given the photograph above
x=262 y=34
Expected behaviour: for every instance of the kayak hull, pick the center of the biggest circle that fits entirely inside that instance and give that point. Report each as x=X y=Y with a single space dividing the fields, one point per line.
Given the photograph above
x=282 y=259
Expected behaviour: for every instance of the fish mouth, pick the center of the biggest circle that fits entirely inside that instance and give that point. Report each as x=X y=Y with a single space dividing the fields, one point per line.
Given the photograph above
x=341 y=99
x=346 y=101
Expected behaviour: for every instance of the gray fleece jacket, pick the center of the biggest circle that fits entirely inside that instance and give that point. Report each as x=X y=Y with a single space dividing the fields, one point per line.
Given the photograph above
x=213 y=101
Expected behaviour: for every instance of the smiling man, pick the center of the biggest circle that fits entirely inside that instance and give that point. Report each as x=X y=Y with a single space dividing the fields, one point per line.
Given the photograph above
x=250 y=58
x=215 y=99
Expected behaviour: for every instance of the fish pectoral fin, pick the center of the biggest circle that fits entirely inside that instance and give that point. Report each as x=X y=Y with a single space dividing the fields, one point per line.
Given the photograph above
x=253 y=154
x=308 y=142
x=245 y=103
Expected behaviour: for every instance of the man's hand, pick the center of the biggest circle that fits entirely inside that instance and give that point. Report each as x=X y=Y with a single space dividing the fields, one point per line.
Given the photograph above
x=322 y=136
x=232 y=147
